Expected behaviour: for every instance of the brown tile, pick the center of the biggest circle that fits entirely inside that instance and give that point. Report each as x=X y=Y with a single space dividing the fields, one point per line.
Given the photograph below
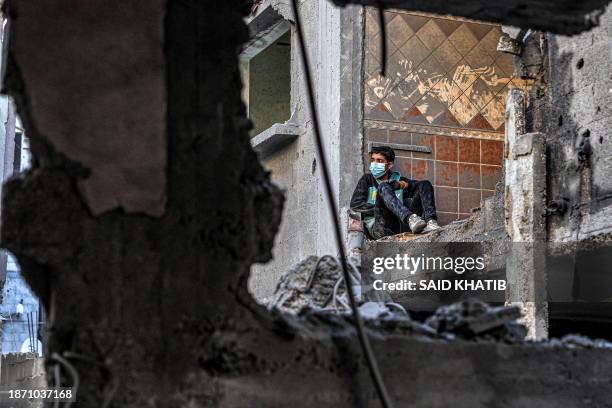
x=446 y=199
x=398 y=30
x=492 y=152
x=379 y=112
x=468 y=199
x=490 y=176
x=479 y=122
x=415 y=22
x=469 y=175
x=463 y=216
x=479 y=30
x=424 y=140
x=447 y=55
x=469 y=150
x=445 y=218
x=414 y=115
x=396 y=136
x=422 y=170
x=446 y=148
x=486 y=194
x=414 y=51
x=431 y=35
x=446 y=174
x=463 y=39
x=402 y=165
x=376 y=135
x=448 y=26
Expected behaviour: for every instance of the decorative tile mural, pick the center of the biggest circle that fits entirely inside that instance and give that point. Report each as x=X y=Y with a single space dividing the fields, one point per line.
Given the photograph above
x=445 y=87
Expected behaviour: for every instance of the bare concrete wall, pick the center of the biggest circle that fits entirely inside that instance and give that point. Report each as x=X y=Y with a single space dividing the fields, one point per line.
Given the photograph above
x=334 y=38
x=578 y=122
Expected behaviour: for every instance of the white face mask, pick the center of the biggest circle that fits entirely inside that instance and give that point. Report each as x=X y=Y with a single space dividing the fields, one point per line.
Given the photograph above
x=377 y=169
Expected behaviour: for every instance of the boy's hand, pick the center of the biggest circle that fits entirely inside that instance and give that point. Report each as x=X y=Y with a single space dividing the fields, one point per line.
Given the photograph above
x=403 y=184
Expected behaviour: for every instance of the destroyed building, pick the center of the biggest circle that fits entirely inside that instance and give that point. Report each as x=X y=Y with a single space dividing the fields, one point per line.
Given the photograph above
x=146 y=204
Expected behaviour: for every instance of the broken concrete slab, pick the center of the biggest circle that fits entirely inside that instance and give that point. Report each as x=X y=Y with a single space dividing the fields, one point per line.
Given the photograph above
x=557 y=16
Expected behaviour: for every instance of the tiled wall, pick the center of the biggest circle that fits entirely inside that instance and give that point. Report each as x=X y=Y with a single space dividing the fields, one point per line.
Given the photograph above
x=445 y=88
x=463 y=170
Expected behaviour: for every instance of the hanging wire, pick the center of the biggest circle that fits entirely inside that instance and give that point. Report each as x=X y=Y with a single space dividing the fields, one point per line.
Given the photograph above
x=363 y=340
x=383 y=39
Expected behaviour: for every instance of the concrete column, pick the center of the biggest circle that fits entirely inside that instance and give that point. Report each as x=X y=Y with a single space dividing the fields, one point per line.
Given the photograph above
x=525 y=189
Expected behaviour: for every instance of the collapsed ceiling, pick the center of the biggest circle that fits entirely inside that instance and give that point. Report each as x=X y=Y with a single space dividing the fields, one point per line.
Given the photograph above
x=557 y=16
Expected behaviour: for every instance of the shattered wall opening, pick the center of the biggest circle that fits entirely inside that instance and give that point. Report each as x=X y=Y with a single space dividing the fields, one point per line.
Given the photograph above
x=155 y=310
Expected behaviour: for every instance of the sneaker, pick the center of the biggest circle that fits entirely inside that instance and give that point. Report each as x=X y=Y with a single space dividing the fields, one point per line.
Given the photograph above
x=416 y=224
x=432 y=225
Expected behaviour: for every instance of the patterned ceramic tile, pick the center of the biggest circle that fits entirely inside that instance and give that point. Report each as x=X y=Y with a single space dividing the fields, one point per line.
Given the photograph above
x=371 y=64
x=414 y=21
x=431 y=107
x=380 y=112
x=505 y=61
x=399 y=31
x=463 y=39
x=494 y=112
x=431 y=35
x=448 y=26
x=414 y=52
x=445 y=72
x=489 y=42
x=479 y=30
x=478 y=57
x=371 y=24
x=479 y=122
x=397 y=104
x=447 y=55
x=463 y=110
x=463 y=75
x=410 y=91
x=480 y=93
x=414 y=115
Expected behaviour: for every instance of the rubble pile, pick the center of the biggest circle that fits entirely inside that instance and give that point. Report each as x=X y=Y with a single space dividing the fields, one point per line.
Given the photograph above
x=309 y=285
x=474 y=319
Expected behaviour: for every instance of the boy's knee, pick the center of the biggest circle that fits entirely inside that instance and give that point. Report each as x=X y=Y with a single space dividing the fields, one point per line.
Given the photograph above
x=425 y=184
x=384 y=186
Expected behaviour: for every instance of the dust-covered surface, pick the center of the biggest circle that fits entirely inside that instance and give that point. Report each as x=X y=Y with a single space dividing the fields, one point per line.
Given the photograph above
x=557 y=16
x=155 y=311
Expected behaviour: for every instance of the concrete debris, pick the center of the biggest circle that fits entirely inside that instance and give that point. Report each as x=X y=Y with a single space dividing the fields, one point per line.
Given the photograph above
x=473 y=319
x=578 y=341
x=315 y=283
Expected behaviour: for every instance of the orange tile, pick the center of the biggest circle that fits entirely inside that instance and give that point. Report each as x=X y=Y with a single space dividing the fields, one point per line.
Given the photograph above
x=424 y=140
x=469 y=175
x=446 y=174
x=423 y=170
x=490 y=176
x=468 y=199
x=469 y=150
x=492 y=152
x=446 y=148
x=446 y=199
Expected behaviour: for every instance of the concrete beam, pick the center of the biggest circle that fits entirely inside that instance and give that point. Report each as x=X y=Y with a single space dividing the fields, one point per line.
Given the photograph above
x=557 y=16
x=525 y=192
